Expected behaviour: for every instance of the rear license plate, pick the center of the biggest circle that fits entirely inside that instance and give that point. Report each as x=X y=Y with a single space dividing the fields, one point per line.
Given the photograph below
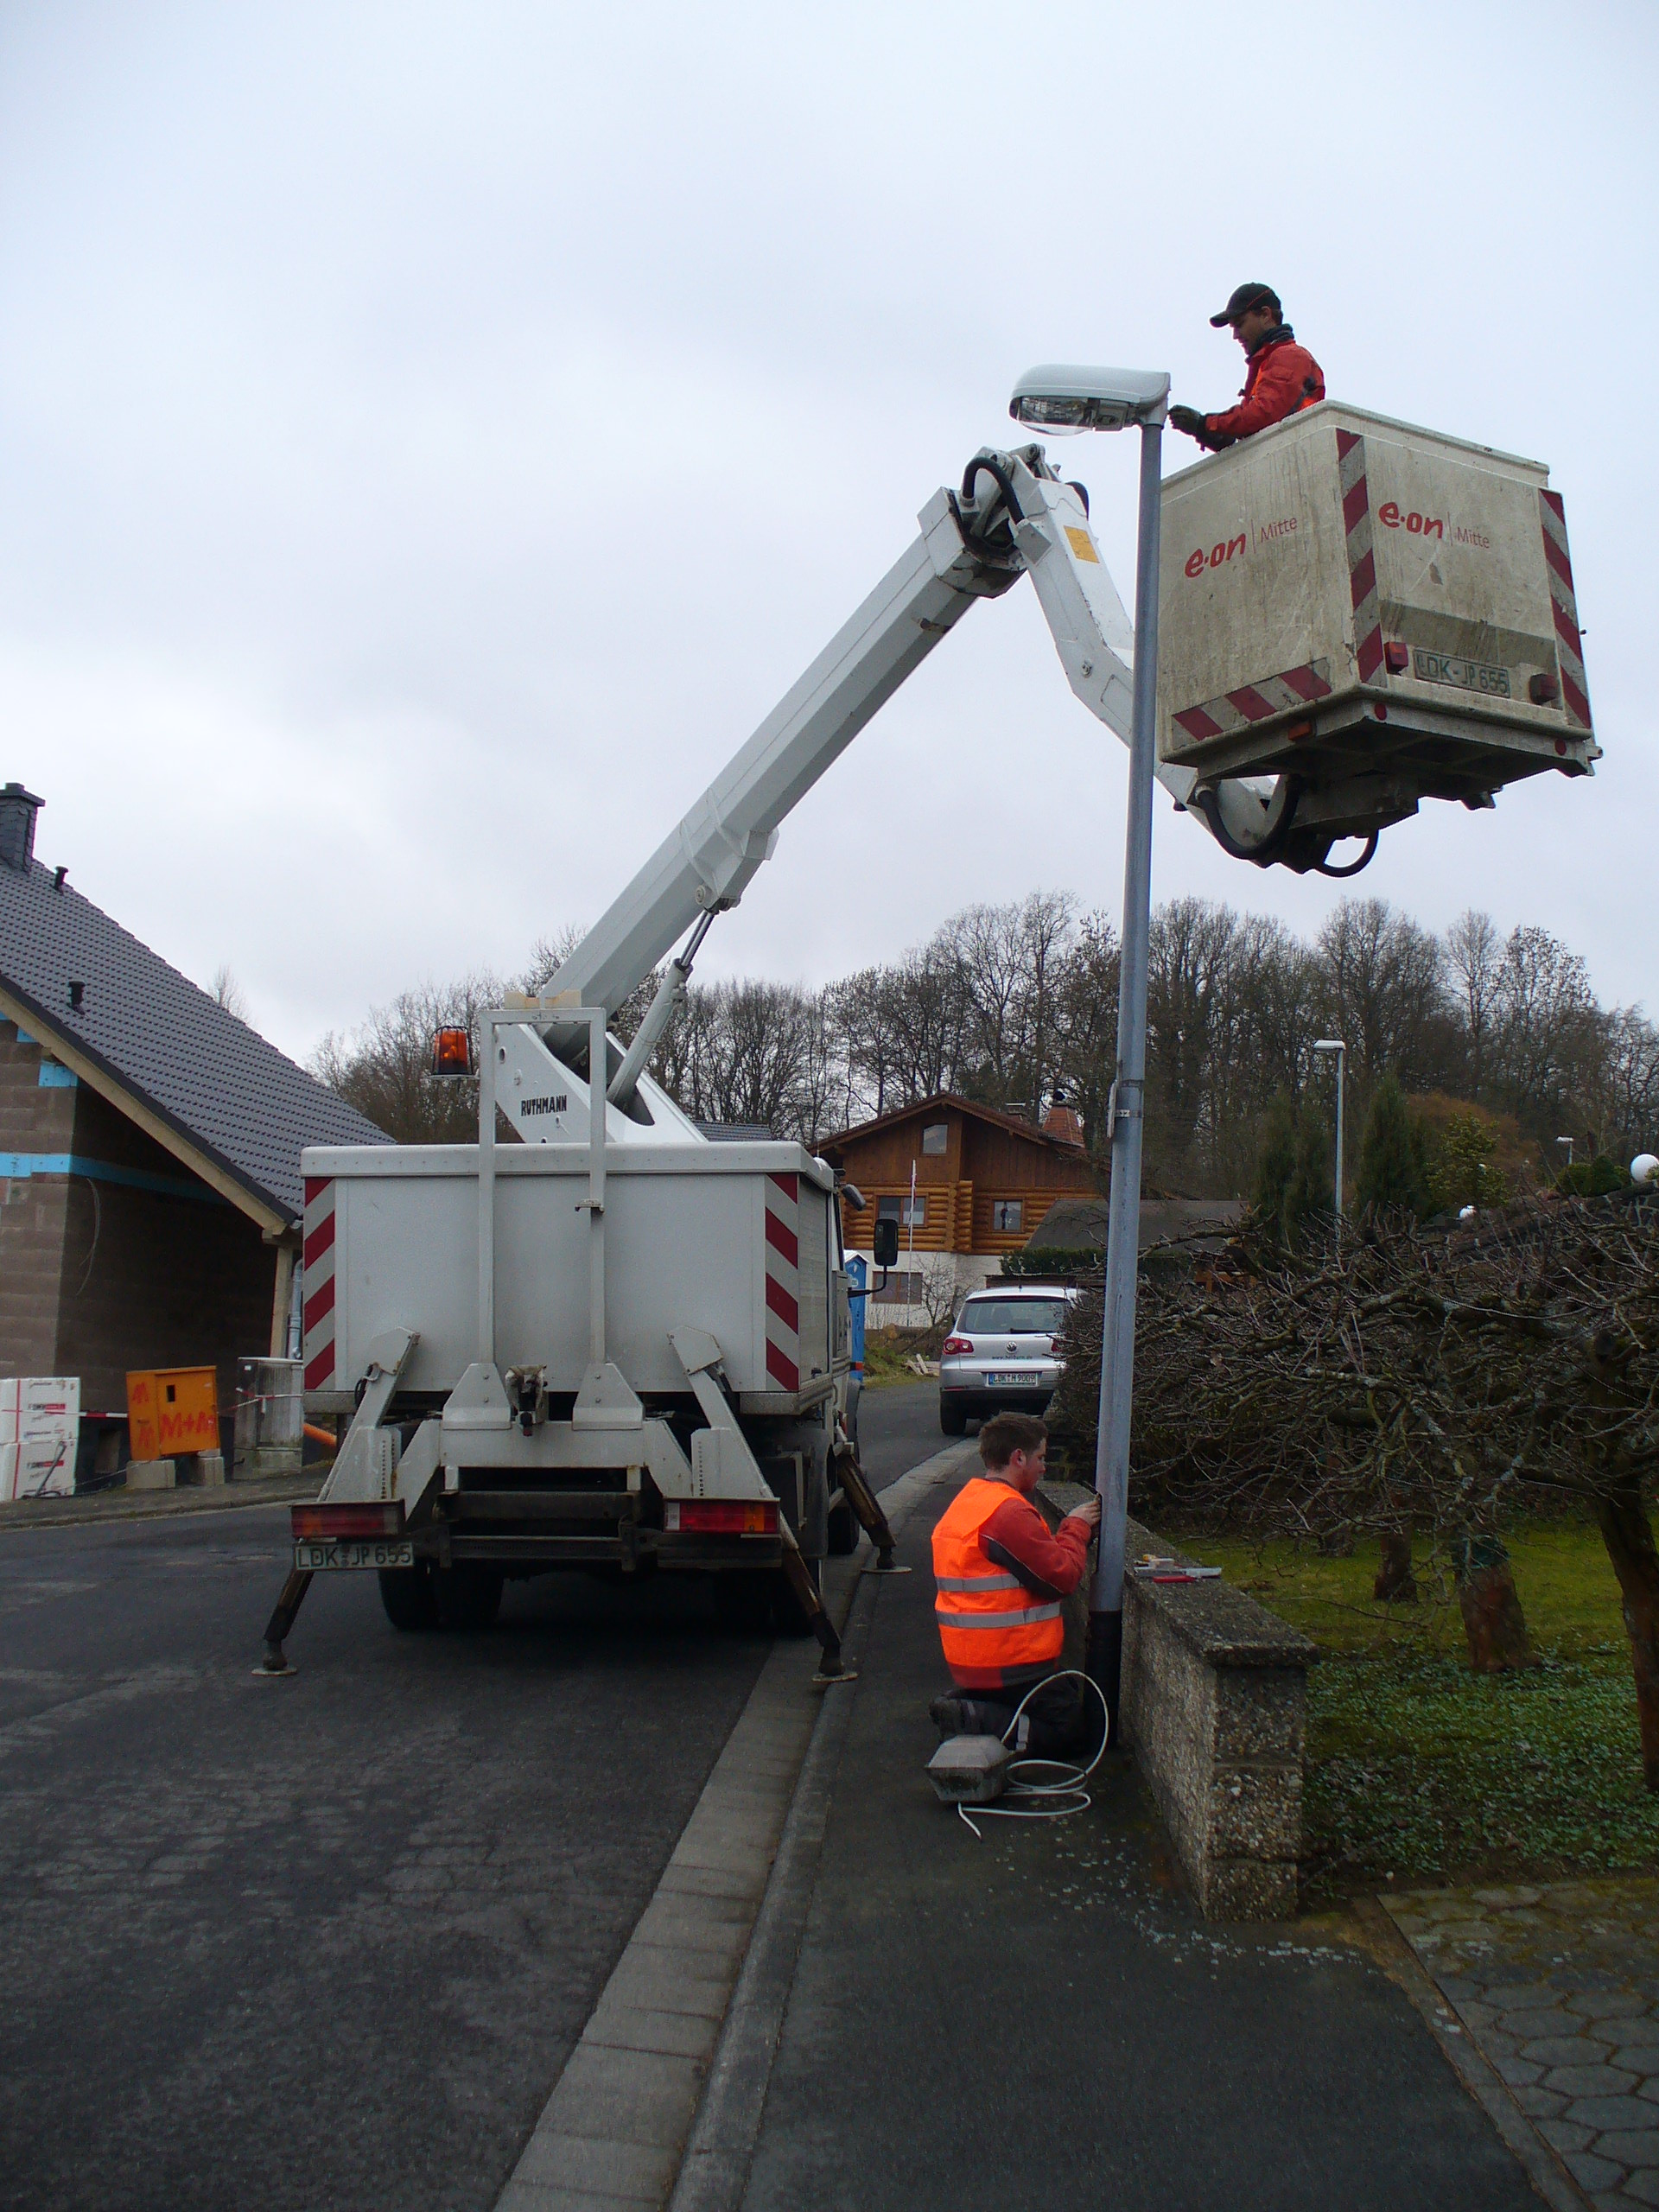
x=1465 y=674
x=1010 y=1381
x=369 y=1551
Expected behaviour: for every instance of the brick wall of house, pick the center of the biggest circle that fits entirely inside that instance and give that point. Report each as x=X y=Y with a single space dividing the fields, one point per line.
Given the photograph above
x=33 y=1121
x=108 y=1277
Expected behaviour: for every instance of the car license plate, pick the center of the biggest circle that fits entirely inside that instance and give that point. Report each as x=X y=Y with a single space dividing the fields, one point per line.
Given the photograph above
x=369 y=1551
x=1008 y=1381
x=1465 y=674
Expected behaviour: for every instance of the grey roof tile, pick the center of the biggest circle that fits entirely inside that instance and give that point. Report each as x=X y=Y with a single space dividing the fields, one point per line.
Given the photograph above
x=200 y=1069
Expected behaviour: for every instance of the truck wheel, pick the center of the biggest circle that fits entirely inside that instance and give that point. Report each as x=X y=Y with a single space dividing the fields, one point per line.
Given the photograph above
x=743 y=1602
x=844 y=1531
x=953 y=1420
x=469 y=1596
x=407 y=1594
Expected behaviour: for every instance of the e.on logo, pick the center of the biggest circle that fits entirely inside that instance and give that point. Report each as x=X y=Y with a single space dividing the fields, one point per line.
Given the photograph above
x=1389 y=516
x=1218 y=556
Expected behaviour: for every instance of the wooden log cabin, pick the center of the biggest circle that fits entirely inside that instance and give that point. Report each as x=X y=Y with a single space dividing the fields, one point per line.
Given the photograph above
x=983 y=1182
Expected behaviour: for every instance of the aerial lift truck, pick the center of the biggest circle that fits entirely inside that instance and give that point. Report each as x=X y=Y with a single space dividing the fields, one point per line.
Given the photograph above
x=595 y=1338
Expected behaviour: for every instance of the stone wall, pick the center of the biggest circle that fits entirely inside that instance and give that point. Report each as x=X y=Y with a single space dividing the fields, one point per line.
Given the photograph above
x=1214 y=1707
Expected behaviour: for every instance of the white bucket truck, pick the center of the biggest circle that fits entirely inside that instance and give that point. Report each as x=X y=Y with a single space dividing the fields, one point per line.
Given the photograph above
x=616 y=1343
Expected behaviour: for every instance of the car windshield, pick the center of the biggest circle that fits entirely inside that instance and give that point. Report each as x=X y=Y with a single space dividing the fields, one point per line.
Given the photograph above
x=1012 y=1316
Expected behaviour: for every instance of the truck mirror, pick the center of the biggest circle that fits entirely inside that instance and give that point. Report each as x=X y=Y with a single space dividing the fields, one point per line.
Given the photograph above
x=887 y=1244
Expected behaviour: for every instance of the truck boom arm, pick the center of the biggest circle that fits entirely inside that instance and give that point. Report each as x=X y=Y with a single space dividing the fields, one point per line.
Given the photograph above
x=1012 y=516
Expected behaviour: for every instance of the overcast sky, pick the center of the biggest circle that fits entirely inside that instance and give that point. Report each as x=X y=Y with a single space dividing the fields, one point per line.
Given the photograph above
x=434 y=436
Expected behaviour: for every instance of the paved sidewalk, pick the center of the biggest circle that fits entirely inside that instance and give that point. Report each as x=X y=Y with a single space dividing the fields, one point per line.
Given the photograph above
x=1040 y=2019
x=1558 y=1985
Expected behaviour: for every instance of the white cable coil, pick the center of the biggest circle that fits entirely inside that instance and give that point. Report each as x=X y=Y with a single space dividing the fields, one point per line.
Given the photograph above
x=1058 y=1799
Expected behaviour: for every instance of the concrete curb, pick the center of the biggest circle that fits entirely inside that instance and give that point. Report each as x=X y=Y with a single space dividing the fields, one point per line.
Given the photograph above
x=614 y=2130
x=716 y=2169
x=17 y=1515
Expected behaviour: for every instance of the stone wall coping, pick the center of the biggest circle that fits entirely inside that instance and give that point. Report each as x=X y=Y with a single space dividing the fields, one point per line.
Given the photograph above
x=1220 y=1625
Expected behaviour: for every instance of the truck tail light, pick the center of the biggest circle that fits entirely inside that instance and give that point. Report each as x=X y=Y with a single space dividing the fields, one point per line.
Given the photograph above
x=1542 y=690
x=958 y=1343
x=1396 y=658
x=1298 y=731
x=720 y=1516
x=452 y=1052
x=327 y=1522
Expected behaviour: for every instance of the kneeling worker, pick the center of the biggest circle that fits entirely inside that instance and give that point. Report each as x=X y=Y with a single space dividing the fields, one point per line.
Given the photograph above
x=1281 y=377
x=1000 y=1577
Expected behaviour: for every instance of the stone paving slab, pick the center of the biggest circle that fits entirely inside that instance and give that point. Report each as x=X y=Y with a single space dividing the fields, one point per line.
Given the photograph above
x=1557 y=1984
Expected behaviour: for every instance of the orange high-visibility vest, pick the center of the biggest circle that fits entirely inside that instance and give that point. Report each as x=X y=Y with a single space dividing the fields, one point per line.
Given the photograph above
x=986 y=1617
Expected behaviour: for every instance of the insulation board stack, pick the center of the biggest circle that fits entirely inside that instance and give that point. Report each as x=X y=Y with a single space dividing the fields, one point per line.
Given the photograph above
x=39 y=1428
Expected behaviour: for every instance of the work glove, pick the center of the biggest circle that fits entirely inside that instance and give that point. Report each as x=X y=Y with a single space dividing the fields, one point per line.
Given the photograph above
x=1188 y=420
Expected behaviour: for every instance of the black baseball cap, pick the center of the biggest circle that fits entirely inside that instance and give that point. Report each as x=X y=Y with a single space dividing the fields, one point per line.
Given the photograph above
x=1246 y=297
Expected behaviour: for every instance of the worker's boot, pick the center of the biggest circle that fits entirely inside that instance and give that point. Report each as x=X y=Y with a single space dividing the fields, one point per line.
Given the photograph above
x=955 y=1713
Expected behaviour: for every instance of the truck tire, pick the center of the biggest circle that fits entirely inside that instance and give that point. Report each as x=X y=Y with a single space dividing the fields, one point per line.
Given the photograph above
x=468 y=1595
x=407 y=1594
x=843 y=1531
x=953 y=1420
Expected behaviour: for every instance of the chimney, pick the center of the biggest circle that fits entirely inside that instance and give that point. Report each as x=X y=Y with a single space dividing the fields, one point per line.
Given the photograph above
x=1061 y=1121
x=18 y=809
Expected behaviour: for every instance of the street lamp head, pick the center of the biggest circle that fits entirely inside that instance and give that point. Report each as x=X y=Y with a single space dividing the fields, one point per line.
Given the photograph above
x=1063 y=399
x=1330 y=1044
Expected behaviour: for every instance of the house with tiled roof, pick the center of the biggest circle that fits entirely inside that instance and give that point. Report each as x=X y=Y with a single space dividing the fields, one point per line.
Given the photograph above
x=965 y=1183
x=150 y=1195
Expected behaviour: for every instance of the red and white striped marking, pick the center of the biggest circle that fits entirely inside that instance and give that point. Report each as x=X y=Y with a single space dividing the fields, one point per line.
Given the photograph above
x=318 y=1284
x=784 y=1281
x=1361 y=558
x=1255 y=703
x=1575 y=689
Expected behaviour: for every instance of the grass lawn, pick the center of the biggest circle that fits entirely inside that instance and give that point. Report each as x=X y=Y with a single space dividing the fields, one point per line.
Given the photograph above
x=888 y=1353
x=1418 y=1767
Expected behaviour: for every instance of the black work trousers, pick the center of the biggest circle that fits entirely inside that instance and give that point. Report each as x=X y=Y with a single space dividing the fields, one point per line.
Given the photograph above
x=1052 y=1725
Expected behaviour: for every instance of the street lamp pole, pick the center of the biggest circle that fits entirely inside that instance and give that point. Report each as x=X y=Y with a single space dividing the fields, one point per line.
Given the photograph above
x=1337 y=1045
x=1126 y=1110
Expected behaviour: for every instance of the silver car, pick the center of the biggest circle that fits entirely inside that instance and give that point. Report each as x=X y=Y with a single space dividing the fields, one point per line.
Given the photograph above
x=1000 y=1356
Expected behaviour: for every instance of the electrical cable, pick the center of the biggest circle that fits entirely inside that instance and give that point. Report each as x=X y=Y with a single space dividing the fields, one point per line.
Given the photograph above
x=1004 y=483
x=1069 y=1777
x=1353 y=866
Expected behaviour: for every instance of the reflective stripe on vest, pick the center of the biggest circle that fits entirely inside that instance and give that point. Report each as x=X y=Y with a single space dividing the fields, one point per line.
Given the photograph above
x=1000 y=1620
x=976 y=1629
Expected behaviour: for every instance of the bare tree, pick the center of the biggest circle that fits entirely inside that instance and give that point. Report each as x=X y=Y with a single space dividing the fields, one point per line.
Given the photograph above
x=228 y=992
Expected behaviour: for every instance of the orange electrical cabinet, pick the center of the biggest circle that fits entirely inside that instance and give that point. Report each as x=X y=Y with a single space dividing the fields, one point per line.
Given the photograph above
x=171 y=1411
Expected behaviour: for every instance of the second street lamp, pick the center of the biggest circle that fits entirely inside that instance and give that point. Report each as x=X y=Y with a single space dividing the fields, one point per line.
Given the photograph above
x=1337 y=1045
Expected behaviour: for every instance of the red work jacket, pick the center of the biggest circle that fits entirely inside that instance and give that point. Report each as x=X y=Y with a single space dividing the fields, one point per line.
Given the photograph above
x=1282 y=378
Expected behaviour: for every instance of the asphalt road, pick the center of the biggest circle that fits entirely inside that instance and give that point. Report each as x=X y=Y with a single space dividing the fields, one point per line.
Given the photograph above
x=898 y=1428
x=325 y=1940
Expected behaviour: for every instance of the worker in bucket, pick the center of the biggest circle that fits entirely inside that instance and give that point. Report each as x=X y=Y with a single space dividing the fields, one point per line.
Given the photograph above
x=1002 y=1575
x=1281 y=377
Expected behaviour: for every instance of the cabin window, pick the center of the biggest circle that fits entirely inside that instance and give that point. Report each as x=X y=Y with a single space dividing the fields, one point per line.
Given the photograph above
x=1006 y=1214
x=935 y=1137
x=909 y=1213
